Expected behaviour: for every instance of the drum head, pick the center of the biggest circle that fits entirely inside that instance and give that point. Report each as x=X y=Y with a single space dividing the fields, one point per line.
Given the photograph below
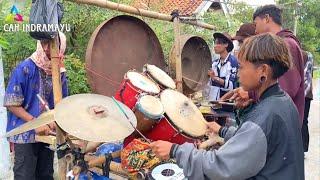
x=142 y=82
x=167 y=171
x=160 y=76
x=183 y=113
x=151 y=106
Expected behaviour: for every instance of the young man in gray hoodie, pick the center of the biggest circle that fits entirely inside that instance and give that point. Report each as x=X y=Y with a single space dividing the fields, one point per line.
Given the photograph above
x=267 y=144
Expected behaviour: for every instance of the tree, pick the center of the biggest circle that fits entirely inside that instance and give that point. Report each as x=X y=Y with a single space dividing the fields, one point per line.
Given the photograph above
x=308 y=27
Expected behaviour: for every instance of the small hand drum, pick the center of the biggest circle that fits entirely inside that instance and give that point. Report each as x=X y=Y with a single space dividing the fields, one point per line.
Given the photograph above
x=159 y=76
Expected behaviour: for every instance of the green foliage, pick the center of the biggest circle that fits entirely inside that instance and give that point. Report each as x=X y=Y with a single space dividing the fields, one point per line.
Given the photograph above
x=16 y=45
x=77 y=79
x=308 y=27
x=242 y=12
x=316 y=74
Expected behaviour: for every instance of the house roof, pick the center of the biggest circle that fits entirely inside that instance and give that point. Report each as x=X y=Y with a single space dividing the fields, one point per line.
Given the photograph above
x=185 y=7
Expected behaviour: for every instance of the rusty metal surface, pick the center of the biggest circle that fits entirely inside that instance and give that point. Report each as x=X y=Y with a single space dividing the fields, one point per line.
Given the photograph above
x=195 y=62
x=116 y=46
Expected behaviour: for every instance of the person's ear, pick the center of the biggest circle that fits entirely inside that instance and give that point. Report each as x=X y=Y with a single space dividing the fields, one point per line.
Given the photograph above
x=267 y=18
x=264 y=70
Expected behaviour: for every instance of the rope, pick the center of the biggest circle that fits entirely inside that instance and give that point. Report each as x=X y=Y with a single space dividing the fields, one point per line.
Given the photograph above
x=112 y=82
x=183 y=77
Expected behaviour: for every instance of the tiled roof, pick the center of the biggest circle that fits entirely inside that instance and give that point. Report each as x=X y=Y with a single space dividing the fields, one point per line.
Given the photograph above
x=185 y=7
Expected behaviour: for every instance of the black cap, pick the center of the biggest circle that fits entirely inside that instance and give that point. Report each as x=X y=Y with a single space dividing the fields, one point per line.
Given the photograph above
x=225 y=36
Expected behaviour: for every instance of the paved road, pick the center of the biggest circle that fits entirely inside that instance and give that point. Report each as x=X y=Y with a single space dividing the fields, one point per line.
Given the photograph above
x=312 y=158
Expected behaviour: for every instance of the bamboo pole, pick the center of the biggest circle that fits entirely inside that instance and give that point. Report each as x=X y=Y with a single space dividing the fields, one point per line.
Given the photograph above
x=136 y=11
x=57 y=94
x=177 y=53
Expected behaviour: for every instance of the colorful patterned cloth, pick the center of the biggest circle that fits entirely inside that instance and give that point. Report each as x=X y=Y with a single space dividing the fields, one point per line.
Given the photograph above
x=40 y=58
x=137 y=156
x=26 y=81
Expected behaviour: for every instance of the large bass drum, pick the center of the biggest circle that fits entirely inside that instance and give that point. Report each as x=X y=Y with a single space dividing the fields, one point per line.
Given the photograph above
x=195 y=62
x=116 y=46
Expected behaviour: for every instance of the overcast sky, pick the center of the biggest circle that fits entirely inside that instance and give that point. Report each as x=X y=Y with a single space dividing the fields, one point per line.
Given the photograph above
x=258 y=2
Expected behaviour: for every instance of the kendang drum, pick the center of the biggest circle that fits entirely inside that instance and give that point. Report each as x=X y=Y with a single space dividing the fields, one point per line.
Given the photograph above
x=159 y=76
x=132 y=86
x=148 y=110
x=183 y=122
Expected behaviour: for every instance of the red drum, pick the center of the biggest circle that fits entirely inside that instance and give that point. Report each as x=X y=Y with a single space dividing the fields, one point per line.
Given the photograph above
x=167 y=132
x=132 y=86
x=184 y=121
x=148 y=110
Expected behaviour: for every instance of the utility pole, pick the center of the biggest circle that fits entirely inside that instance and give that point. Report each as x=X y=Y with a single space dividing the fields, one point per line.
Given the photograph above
x=296 y=17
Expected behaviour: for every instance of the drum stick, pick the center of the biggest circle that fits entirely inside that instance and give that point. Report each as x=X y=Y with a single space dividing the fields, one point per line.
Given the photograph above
x=207 y=143
x=117 y=168
x=223 y=103
x=118 y=105
x=43 y=102
x=102 y=159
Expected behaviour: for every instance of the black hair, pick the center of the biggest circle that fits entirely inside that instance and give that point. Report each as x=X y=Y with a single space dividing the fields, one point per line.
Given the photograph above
x=272 y=10
x=222 y=40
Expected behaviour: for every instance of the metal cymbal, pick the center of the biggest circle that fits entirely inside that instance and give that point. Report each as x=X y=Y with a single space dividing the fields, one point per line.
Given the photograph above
x=94 y=117
x=43 y=119
x=183 y=113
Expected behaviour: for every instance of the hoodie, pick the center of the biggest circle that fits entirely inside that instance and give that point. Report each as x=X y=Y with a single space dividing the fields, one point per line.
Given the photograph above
x=292 y=81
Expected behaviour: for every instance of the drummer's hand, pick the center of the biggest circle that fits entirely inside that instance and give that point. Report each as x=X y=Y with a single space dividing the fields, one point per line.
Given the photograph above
x=240 y=96
x=211 y=73
x=161 y=149
x=52 y=126
x=43 y=130
x=213 y=127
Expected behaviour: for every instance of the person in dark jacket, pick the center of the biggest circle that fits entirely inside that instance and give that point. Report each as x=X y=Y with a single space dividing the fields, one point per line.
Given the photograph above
x=308 y=71
x=267 y=143
x=268 y=18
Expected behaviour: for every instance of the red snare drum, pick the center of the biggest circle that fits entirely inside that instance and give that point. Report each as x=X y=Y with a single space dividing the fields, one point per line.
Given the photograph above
x=184 y=121
x=132 y=86
x=148 y=110
x=167 y=132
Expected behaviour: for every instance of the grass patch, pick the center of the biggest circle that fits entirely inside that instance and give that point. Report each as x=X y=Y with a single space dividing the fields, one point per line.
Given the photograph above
x=316 y=74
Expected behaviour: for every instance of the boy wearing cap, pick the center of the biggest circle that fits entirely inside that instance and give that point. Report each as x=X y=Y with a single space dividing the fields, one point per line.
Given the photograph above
x=223 y=74
x=246 y=30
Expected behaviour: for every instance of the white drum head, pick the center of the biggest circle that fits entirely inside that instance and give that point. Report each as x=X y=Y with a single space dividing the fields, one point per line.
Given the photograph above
x=167 y=171
x=183 y=113
x=151 y=105
x=160 y=76
x=142 y=82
